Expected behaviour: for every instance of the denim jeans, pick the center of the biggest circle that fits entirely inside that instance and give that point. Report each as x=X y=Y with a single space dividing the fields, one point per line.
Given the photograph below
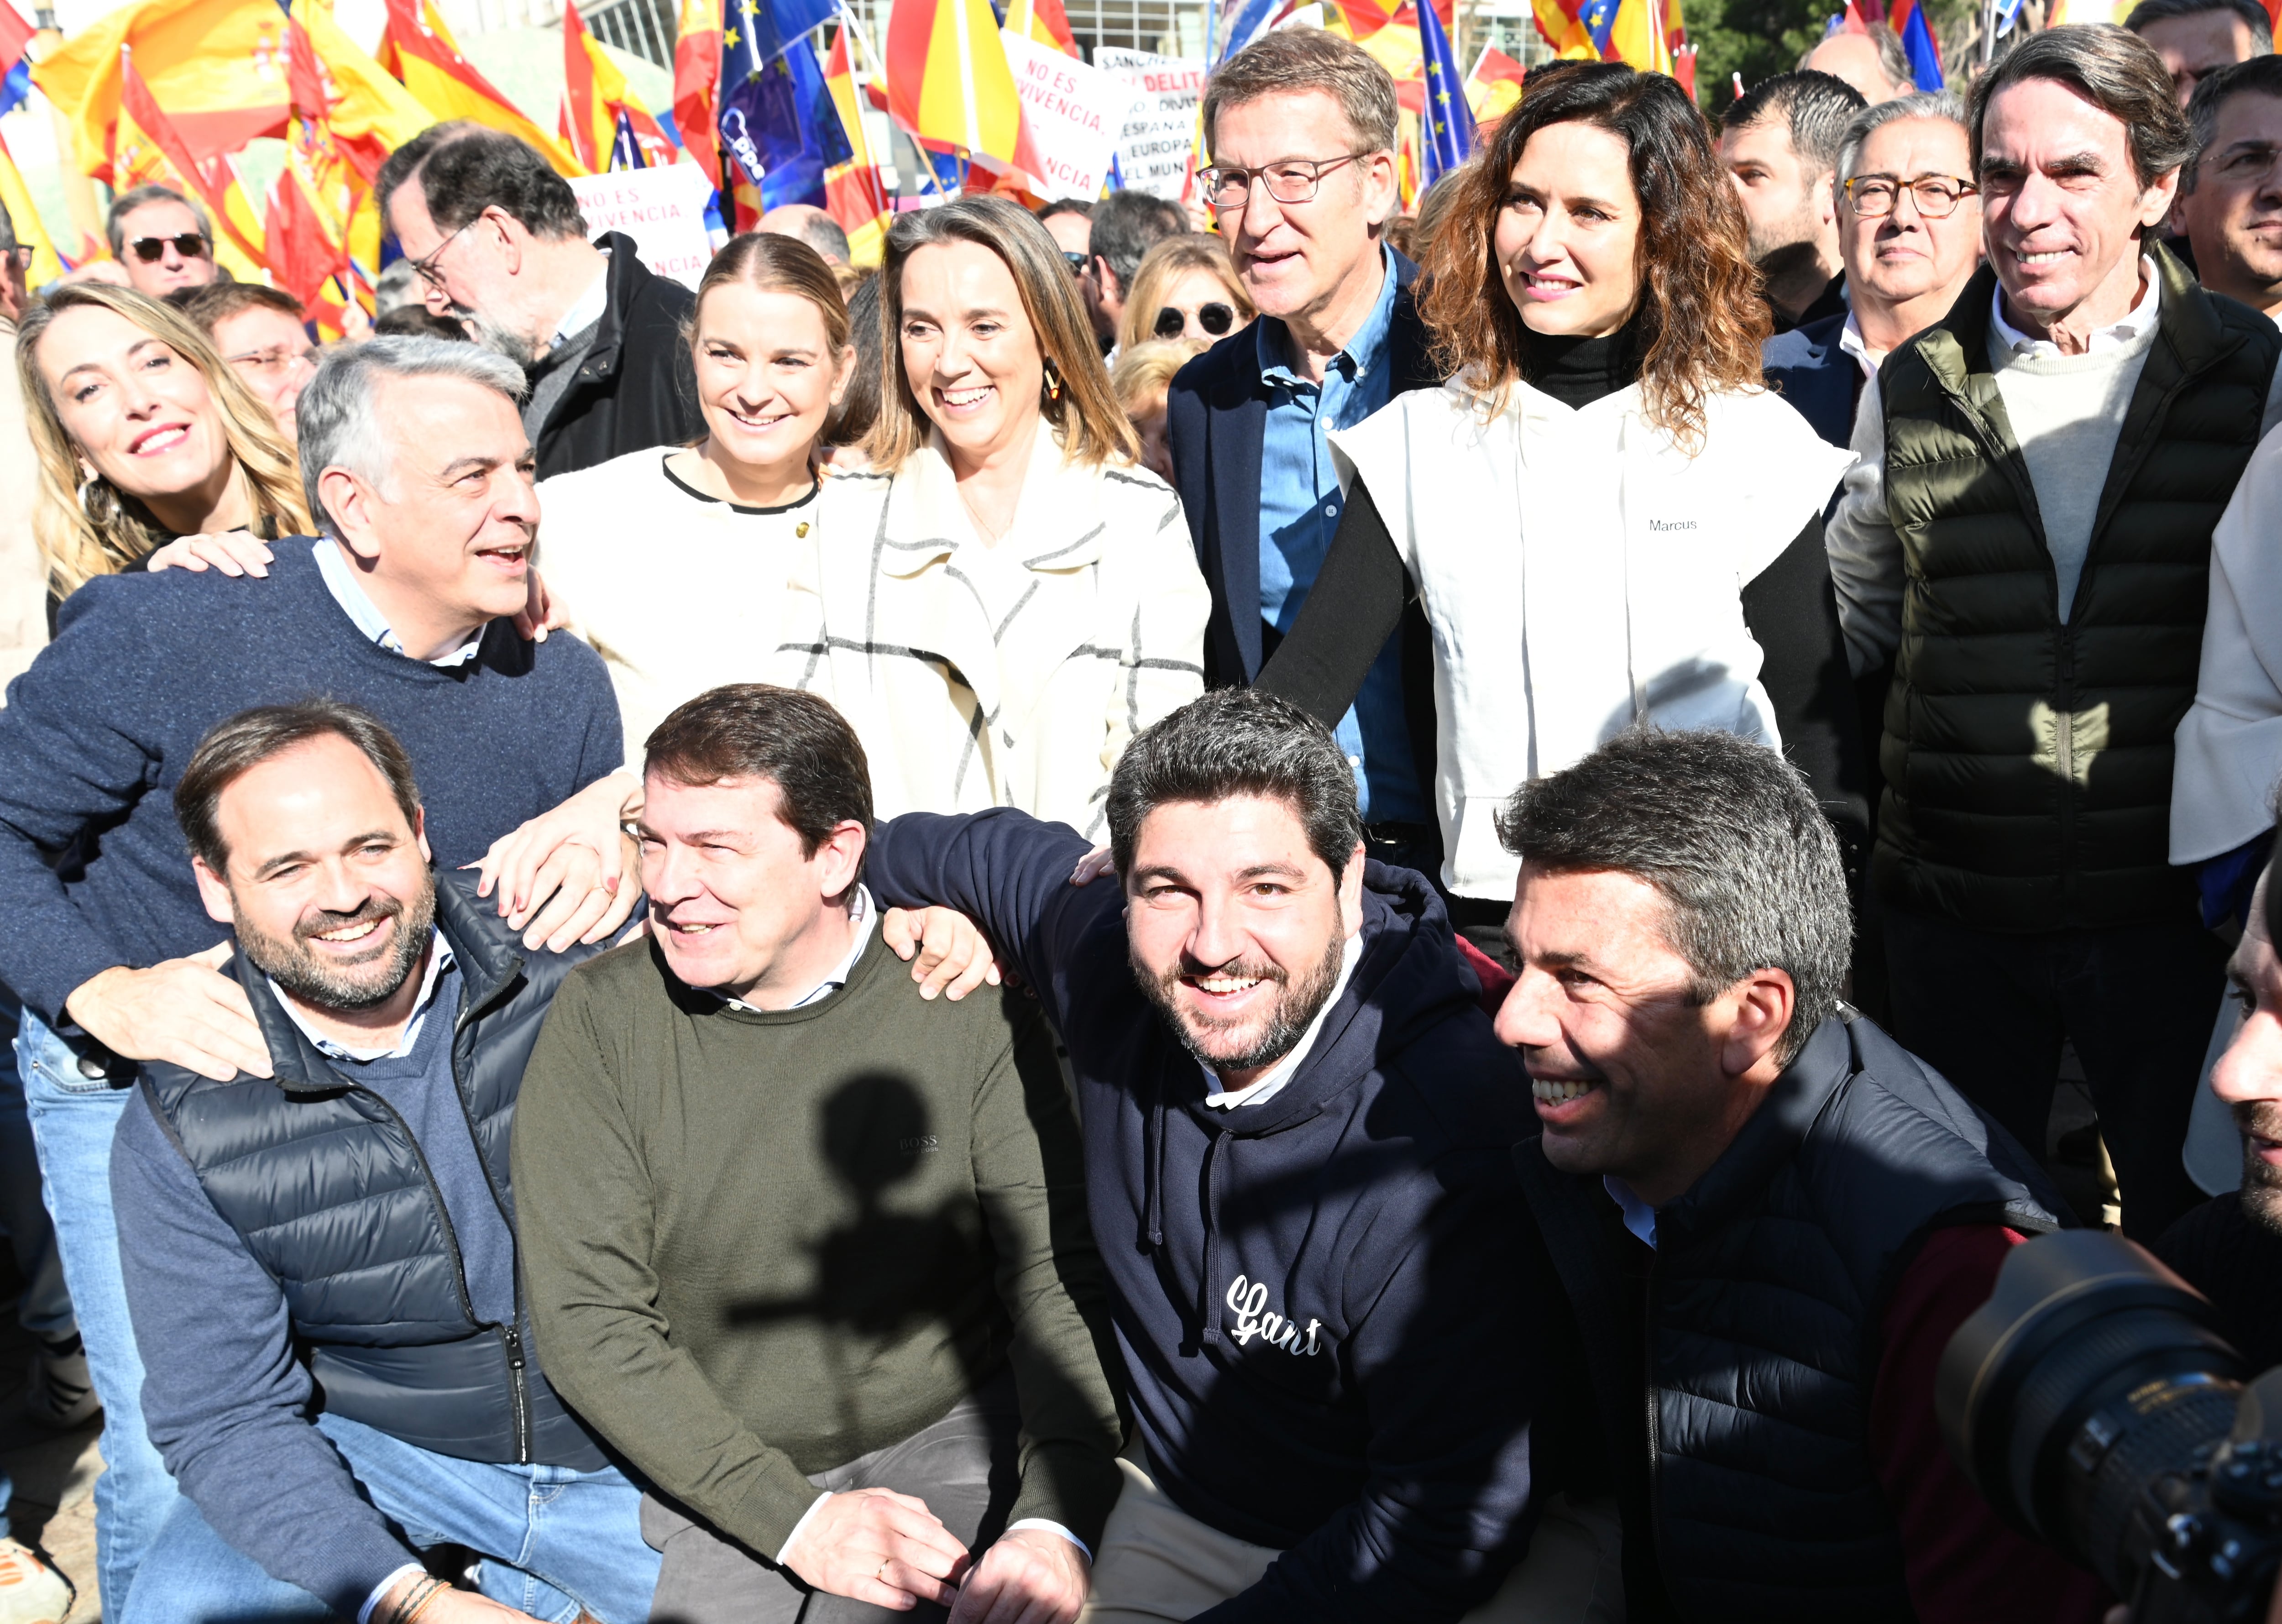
x=551 y=1539
x=72 y=1117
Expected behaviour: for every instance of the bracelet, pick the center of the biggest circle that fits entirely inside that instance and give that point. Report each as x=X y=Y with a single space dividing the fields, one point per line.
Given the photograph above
x=415 y=1599
x=412 y=1617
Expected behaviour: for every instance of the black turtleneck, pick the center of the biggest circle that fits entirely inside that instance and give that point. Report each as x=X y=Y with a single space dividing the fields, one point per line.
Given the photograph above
x=1577 y=371
x=1358 y=596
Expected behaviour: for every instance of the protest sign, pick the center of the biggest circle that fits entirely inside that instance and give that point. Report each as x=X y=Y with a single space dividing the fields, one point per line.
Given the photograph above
x=663 y=209
x=1071 y=113
x=1152 y=149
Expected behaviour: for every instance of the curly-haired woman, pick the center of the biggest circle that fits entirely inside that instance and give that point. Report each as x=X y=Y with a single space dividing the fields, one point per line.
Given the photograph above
x=1607 y=517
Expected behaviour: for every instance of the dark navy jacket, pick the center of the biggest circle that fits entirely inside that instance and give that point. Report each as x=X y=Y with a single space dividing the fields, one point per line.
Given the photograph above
x=1750 y=1493
x=1215 y=416
x=1821 y=381
x=1326 y=1343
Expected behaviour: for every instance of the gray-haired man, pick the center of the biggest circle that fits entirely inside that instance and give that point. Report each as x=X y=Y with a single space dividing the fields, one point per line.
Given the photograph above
x=412 y=451
x=1769 y=1217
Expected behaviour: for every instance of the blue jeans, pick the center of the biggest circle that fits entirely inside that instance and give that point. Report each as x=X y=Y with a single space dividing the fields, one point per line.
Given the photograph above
x=73 y=1119
x=552 y=1539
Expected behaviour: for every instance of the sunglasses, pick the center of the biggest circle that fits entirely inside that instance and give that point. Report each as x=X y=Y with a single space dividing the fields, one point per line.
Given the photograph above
x=1077 y=262
x=1215 y=318
x=150 y=250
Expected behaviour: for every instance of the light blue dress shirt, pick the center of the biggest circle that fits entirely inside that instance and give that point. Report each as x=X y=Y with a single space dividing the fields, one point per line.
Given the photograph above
x=1300 y=509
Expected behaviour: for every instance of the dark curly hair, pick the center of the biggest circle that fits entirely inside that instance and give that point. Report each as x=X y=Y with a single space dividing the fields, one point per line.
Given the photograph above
x=1701 y=318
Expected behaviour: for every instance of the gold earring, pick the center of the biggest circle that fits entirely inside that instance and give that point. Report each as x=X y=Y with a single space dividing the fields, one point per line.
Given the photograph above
x=1053 y=386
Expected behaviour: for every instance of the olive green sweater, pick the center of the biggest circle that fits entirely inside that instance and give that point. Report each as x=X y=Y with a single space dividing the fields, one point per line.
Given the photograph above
x=760 y=1245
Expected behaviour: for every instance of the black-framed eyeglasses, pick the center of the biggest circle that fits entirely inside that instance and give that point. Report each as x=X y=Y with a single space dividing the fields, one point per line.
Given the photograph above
x=189 y=245
x=1215 y=318
x=1289 y=180
x=425 y=269
x=1937 y=196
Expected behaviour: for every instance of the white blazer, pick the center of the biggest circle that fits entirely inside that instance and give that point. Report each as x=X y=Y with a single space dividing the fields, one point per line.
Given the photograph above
x=1579 y=572
x=960 y=709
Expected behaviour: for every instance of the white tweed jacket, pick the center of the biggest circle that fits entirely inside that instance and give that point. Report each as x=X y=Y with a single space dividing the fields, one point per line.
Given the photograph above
x=960 y=709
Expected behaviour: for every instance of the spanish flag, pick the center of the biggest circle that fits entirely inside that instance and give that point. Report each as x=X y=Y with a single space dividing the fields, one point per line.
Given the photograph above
x=1043 y=21
x=948 y=81
x=853 y=194
x=418 y=49
x=697 y=83
x=217 y=66
x=212 y=180
x=594 y=95
x=365 y=112
x=1637 y=37
x=47 y=264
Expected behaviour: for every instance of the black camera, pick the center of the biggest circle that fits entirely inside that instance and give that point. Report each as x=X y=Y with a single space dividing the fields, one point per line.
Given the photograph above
x=2093 y=1402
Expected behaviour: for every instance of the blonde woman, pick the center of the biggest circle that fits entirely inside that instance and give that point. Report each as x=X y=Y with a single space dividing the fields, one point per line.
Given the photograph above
x=144 y=434
x=1141 y=377
x=1006 y=595
x=1185 y=288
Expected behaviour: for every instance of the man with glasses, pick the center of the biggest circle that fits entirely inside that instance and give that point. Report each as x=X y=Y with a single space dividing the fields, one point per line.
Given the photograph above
x=1069 y=221
x=497 y=240
x=1909 y=235
x=161 y=240
x=2229 y=206
x=1301 y=129
x=260 y=333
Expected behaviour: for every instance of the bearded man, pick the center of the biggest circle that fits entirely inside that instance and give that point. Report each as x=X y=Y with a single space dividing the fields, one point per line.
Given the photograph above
x=321 y=1261
x=1296 y=1126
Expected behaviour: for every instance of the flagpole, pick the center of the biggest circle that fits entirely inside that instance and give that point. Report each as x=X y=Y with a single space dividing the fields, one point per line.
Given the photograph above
x=1988 y=32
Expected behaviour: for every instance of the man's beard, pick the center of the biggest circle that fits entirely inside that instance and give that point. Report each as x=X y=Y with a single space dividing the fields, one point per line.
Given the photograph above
x=2262 y=1184
x=1783 y=248
x=500 y=340
x=1297 y=1006
x=347 y=986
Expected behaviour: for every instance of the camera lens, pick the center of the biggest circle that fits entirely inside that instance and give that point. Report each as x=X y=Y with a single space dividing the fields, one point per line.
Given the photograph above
x=2090 y=1370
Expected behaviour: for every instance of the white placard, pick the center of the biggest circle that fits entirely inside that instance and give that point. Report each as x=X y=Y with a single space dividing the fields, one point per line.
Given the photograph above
x=663 y=209
x=1074 y=111
x=1153 y=151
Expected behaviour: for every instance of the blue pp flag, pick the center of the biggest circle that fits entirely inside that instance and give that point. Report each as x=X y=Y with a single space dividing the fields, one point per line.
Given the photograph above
x=1449 y=123
x=780 y=125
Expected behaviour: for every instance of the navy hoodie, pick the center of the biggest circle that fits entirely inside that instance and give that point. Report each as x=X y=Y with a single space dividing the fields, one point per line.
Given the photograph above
x=1327 y=1340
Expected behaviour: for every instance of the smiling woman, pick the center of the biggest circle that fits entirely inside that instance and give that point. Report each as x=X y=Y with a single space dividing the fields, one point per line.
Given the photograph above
x=143 y=434
x=1011 y=596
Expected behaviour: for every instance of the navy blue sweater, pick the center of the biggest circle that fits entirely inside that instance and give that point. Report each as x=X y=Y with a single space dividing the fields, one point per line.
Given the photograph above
x=1327 y=1343
x=96 y=735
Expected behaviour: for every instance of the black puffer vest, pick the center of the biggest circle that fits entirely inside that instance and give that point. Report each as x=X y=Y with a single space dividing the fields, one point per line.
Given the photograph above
x=2027 y=761
x=330 y=1193
x=1764 y=1324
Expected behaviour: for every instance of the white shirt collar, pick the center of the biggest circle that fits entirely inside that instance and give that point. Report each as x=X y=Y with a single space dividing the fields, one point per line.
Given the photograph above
x=1851 y=341
x=588 y=309
x=349 y=593
x=865 y=917
x=439 y=959
x=1271 y=1082
x=2135 y=322
x=1640 y=1217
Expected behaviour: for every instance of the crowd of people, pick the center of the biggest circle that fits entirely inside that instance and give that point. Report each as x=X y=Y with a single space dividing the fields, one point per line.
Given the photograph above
x=1136 y=923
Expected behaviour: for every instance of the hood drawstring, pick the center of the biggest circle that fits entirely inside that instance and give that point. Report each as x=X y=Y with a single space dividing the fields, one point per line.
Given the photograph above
x=1152 y=1238
x=1207 y=1303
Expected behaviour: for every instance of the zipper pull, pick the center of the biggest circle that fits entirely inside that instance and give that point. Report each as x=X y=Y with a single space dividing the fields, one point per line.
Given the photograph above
x=514 y=1340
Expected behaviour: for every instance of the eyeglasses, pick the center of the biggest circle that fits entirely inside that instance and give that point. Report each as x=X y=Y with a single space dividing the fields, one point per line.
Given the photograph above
x=1077 y=262
x=1215 y=318
x=1290 y=180
x=426 y=269
x=189 y=245
x=275 y=360
x=1937 y=196
x=20 y=256
x=2249 y=160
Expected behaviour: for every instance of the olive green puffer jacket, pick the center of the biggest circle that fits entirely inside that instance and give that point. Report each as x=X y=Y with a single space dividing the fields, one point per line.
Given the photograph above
x=2028 y=763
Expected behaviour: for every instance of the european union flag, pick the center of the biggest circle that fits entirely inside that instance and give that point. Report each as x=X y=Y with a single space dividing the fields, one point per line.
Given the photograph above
x=1599 y=16
x=1449 y=123
x=755 y=33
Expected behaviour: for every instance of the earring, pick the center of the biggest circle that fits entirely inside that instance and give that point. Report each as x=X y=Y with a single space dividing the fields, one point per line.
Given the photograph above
x=1053 y=386
x=88 y=493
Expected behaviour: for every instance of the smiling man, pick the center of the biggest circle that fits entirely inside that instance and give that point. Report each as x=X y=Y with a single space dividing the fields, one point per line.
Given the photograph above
x=805 y=1243
x=320 y=1256
x=1301 y=127
x=412 y=452
x=1751 y=1183
x=2028 y=536
x=1296 y=1127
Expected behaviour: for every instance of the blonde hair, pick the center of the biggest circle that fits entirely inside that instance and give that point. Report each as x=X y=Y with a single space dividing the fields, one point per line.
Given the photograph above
x=94 y=529
x=1143 y=373
x=1084 y=414
x=1165 y=262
